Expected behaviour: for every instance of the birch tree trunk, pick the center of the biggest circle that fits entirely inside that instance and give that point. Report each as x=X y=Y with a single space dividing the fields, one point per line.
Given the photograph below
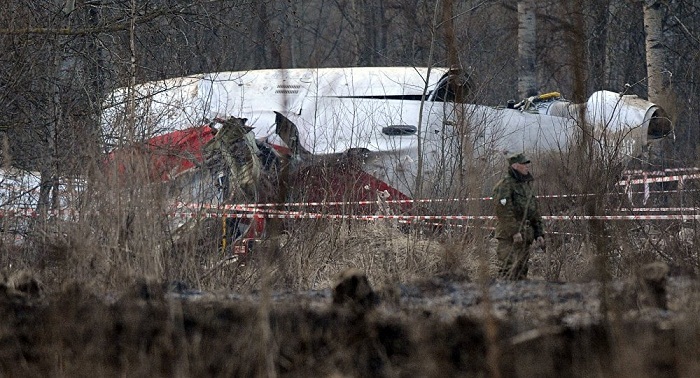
x=653 y=28
x=658 y=88
x=527 y=42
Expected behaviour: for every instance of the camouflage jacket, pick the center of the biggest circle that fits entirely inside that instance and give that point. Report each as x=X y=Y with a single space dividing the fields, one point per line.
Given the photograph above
x=516 y=207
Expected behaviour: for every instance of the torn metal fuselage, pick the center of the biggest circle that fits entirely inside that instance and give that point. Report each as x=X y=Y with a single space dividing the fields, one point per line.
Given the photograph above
x=346 y=134
x=390 y=114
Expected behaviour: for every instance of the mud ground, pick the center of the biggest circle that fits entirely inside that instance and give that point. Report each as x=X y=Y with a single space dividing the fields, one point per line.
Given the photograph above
x=445 y=326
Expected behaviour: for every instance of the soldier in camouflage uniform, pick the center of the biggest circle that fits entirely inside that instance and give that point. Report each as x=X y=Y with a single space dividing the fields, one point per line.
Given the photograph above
x=519 y=223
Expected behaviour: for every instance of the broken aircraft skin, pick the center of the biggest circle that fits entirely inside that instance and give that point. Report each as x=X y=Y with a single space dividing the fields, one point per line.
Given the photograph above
x=347 y=134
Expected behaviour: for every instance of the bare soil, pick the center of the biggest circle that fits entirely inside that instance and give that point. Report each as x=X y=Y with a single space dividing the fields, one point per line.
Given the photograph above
x=444 y=326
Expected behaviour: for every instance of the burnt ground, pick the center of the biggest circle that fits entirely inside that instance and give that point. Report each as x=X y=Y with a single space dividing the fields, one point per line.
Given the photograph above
x=445 y=326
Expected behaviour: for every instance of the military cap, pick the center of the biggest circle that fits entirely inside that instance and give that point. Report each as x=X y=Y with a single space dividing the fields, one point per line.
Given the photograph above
x=518 y=158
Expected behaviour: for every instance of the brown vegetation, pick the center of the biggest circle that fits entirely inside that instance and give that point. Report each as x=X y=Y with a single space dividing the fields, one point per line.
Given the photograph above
x=409 y=302
x=119 y=288
x=430 y=327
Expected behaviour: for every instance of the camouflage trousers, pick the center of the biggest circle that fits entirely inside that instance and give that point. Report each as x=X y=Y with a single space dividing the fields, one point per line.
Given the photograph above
x=513 y=259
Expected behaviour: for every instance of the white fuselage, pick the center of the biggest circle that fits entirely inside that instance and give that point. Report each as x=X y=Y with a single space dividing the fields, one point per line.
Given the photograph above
x=337 y=110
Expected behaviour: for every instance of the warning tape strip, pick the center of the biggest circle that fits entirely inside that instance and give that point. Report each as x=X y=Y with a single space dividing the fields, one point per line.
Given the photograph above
x=31 y=213
x=683 y=217
x=248 y=211
x=661 y=209
x=260 y=206
x=250 y=206
x=333 y=203
x=628 y=182
x=659 y=173
x=650 y=180
x=329 y=216
x=302 y=215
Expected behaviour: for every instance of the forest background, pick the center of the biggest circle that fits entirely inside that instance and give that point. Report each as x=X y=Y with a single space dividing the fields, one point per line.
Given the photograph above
x=60 y=58
x=436 y=317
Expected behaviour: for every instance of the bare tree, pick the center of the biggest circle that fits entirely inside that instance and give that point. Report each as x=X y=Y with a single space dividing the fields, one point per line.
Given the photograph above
x=527 y=48
x=600 y=46
x=655 y=48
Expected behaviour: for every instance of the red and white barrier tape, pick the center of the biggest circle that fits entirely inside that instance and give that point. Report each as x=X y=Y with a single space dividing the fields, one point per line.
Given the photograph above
x=662 y=210
x=658 y=173
x=331 y=203
x=252 y=206
x=31 y=213
x=684 y=217
x=428 y=217
x=650 y=180
x=302 y=215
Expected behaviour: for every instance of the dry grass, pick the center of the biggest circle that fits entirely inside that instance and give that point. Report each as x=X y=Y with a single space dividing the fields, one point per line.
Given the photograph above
x=98 y=287
x=123 y=231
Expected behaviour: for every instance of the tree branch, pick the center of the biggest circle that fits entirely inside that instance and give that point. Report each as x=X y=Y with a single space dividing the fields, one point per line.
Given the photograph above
x=123 y=25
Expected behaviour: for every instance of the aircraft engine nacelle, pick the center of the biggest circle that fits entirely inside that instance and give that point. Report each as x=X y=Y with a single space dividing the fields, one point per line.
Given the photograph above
x=620 y=125
x=610 y=111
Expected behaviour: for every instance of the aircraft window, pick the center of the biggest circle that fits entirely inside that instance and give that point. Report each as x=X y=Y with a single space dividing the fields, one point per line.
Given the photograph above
x=395 y=130
x=453 y=87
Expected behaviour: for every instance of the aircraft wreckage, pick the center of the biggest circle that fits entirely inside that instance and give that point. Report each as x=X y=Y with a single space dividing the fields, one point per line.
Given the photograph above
x=346 y=134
